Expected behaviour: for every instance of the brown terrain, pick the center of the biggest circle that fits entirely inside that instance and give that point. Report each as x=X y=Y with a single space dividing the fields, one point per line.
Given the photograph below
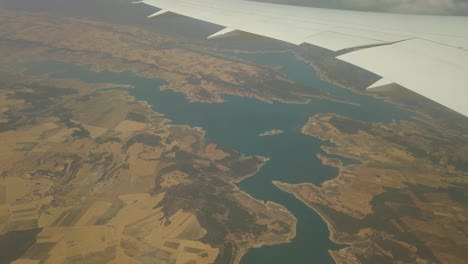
x=89 y=175
x=123 y=185
x=401 y=193
x=202 y=76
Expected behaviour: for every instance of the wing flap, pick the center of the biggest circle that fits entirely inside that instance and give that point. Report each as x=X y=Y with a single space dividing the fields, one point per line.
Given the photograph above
x=435 y=71
x=337 y=41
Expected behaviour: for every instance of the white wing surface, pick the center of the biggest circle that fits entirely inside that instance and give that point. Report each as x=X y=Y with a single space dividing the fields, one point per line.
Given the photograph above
x=426 y=54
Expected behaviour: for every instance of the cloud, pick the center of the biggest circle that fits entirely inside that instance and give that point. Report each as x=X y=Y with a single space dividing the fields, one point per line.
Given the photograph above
x=440 y=7
x=433 y=7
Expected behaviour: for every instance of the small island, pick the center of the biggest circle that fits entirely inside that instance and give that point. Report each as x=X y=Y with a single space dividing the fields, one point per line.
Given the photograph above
x=271 y=133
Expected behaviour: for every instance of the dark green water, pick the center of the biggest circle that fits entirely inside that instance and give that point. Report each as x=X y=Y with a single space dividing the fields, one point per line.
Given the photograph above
x=236 y=124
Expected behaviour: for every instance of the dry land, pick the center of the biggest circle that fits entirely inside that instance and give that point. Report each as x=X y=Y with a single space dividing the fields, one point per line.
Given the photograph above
x=199 y=74
x=107 y=188
x=89 y=175
x=404 y=200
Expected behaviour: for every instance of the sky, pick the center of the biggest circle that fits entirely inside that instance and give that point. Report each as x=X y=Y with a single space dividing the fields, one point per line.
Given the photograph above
x=433 y=7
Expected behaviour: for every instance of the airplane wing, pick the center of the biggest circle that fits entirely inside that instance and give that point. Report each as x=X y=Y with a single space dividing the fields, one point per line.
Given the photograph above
x=426 y=54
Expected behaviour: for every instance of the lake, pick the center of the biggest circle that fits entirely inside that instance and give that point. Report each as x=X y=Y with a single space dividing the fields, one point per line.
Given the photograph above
x=236 y=125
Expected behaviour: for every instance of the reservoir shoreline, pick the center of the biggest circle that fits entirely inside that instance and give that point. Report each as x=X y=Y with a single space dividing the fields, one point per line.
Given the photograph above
x=292 y=155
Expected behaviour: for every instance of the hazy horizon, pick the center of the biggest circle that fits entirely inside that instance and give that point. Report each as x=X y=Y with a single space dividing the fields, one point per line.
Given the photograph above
x=428 y=7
